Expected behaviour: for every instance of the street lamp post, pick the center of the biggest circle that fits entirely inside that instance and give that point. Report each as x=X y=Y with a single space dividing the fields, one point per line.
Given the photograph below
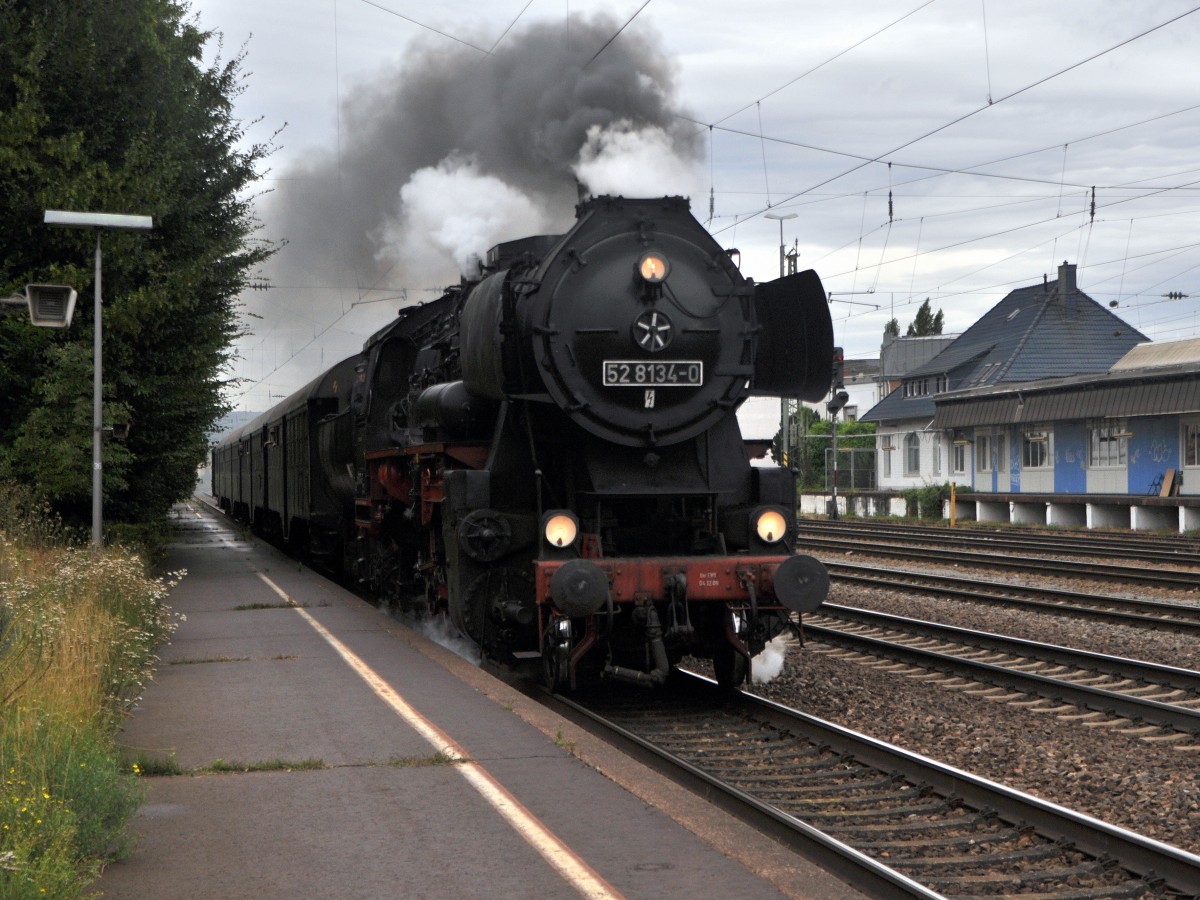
x=784 y=403
x=98 y=221
x=782 y=245
x=49 y=305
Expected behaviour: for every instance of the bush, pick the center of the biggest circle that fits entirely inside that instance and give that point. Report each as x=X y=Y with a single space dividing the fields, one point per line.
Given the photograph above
x=29 y=520
x=926 y=502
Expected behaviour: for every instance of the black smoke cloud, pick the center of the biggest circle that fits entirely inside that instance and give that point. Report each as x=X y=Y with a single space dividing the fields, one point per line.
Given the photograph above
x=454 y=151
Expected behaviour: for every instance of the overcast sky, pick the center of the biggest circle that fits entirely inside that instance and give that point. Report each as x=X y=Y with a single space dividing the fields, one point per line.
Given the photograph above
x=988 y=122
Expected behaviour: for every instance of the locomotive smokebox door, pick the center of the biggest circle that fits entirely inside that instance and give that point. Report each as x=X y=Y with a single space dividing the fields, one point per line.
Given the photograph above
x=795 y=338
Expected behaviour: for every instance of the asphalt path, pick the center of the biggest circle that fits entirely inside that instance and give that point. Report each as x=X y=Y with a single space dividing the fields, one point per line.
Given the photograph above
x=403 y=769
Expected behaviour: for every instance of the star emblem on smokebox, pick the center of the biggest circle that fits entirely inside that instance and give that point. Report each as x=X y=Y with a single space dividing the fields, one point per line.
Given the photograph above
x=652 y=330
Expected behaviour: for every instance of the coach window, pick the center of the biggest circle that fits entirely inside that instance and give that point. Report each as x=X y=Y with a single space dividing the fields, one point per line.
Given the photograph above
x=912 y=454
x=1036 y=452
x=1109 y=444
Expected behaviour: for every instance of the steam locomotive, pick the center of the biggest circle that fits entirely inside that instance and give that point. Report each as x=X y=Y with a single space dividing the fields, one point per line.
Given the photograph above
x=548 y=454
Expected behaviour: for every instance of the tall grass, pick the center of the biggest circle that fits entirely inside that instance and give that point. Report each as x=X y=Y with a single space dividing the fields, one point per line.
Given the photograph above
x=78 y=635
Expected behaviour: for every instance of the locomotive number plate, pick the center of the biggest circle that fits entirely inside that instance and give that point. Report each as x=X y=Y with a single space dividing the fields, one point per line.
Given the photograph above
x=639 y=373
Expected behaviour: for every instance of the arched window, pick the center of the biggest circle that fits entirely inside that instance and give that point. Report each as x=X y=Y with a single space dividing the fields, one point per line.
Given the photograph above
x=912 y=454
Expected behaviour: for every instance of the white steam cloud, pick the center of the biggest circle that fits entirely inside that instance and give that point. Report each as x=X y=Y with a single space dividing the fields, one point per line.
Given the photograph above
x=636 y=162
x=453 y=210
x=442 y=633
x=766 y=667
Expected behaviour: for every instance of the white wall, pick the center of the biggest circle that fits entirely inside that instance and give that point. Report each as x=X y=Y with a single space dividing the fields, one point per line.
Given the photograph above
x=933 y=446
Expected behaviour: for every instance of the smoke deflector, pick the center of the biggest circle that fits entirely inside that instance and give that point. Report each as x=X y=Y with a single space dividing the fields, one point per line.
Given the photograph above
x=795 y=338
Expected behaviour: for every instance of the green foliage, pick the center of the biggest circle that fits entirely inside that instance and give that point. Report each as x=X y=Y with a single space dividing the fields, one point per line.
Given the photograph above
x=78 y=635
x=926 y=502
x=925 y=323
x=808 y=452
x=27 y=519
x=156 y=765
x=891 y=329
x=107 y=107
x=265 y=765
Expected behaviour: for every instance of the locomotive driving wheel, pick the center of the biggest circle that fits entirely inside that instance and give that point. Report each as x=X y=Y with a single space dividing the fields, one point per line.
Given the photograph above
x=729 y=666
x=485 y=535
x=499 y=603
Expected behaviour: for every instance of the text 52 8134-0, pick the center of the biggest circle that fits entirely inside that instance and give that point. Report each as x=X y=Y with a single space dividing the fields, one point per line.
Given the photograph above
x=664 y=373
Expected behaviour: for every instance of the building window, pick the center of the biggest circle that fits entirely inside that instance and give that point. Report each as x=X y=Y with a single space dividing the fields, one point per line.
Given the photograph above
x=958 y=458
x=886 y=454
x=1191 y=444
x=1035 y=449
x=1109 y=444
x=912 y=454
x=937 y=455
x=920 y=387
x=985 y=373
x=983 y=453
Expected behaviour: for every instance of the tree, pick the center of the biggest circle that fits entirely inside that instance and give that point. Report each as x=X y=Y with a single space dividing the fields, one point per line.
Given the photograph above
x=851 y=435
x=891 y=329
x=801 y=420
x=808 y=454
x=106 y=106
x=925 y=323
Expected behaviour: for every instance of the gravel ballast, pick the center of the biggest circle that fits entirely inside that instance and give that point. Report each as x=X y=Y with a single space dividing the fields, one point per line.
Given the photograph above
x=1152 y=789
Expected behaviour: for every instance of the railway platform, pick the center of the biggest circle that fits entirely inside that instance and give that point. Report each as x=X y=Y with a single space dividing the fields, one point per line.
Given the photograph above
x=322 y=749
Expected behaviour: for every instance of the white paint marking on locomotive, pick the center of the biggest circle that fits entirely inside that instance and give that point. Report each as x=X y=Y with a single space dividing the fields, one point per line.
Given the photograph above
x=650 y=399
x=562 y=858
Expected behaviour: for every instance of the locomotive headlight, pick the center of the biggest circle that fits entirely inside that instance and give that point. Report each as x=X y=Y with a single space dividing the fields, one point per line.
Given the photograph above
x=560 y=528
x=653 y=267
x=770 y=525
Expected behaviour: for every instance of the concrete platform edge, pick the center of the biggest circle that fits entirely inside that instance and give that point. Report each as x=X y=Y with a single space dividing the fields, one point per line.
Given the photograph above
x=789 y=873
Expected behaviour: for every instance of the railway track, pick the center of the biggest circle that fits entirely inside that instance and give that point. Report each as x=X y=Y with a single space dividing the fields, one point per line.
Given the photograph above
x=1123 y=610
x=1154 y=702
x=1160 y=578
x=1173 y=550
x=892 y=823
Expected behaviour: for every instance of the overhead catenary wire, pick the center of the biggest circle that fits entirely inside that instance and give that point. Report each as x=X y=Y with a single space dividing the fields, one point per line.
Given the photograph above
x=987 y=57
x=825 y=62
x=1015 y=93
x=427 y=27
x=616 y=34
x=899 y=199
x=937 y=171
x=1087 y=191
